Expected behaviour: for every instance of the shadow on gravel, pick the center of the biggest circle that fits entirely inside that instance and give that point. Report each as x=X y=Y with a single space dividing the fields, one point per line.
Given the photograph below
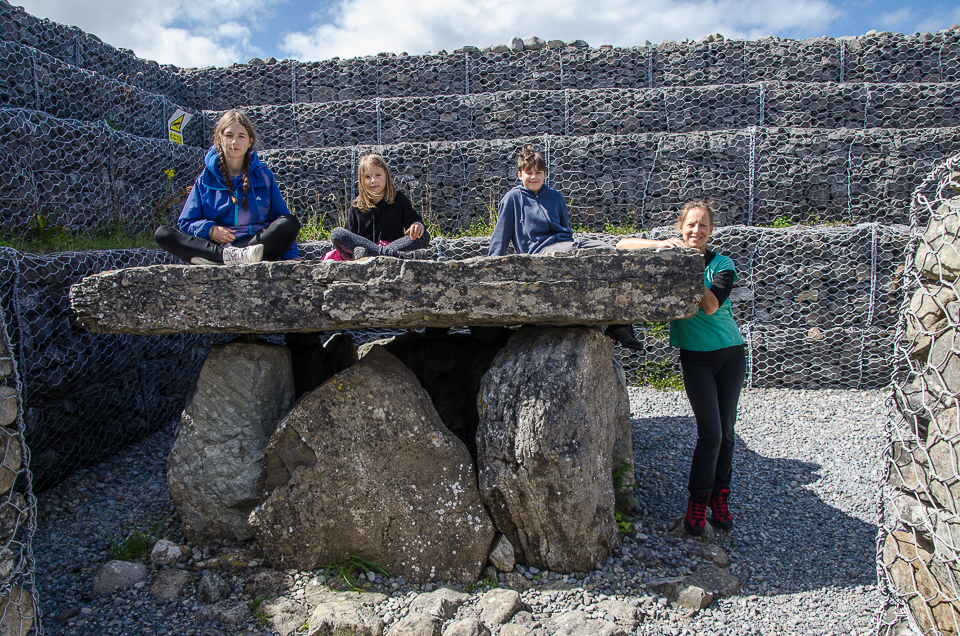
x=786 y=539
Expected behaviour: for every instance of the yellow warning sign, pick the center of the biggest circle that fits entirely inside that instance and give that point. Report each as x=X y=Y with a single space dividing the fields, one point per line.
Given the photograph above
x=176 y=124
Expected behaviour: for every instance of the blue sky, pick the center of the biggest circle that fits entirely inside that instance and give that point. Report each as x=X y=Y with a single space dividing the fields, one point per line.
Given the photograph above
x=193 y=33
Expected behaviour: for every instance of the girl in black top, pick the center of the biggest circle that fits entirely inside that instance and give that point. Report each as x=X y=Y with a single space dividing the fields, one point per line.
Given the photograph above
x=381 y=221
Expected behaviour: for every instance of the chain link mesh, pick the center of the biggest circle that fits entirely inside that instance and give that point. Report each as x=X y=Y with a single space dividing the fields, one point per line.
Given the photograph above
x=919 y=542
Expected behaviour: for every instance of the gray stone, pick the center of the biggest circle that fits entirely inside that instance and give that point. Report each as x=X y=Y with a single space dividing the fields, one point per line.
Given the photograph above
x=907 y=565
x=268 y=583
x=442 y=603
x=622 y=459
x=926 y=316
x=501 y=555
x=324 y=470
x=168 y=584
x=499 y=48
x=6 y=367
x=577 y=623
x=9 y=405
x=224 y=612
x=416 y=625
x=578 y=44
x=533 y=43
x=212 y=588
x=515 y=630
x=13 y=514
x=466 y=627
x=498 y=606
x=11 y=450
x=694 y=598
x=938 y=255
x=285 y=615
x=624 y=614
x=548 y=423
x=713 y=553
x=555 y=44
x=516 y=44
x=711 y=577
x=117 y=575
x=317 y=593
x=583 y=287
x=344 y=617
x=516 y=581
x=242 y=392
x=165 y=552
x=18 y=611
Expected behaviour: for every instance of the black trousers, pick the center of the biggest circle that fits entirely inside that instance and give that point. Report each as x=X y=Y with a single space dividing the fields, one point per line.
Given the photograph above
x=713 y=388
x=345 y=241
x=276 y=239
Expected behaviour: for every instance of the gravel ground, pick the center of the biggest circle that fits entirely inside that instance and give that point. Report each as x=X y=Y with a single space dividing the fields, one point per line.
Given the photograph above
x=804 y=498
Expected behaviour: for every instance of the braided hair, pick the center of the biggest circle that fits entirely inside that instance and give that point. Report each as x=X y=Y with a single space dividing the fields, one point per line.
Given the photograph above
x=228 y=118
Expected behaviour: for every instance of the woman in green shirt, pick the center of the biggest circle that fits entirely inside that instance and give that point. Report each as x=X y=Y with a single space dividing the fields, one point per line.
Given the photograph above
x=714 y=367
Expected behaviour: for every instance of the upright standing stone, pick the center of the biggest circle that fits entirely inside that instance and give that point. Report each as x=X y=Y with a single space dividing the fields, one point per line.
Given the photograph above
x=363 y=465
x=548 y=423
x=241 y=394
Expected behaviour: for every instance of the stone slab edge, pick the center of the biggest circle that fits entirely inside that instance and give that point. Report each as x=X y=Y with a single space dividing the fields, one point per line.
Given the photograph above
x=574 y=288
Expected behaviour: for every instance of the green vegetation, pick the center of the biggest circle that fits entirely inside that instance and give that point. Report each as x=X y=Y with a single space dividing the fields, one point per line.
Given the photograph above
x=315 y=228
x=259 y=614
x=661 y=376
x=136 y=545
x=350 y=566
x=486 y=582
x=782 y=222
x=625 y=525
x=480 y=225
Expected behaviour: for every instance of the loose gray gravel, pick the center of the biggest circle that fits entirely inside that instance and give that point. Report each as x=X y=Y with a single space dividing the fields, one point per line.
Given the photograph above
x=807 y=473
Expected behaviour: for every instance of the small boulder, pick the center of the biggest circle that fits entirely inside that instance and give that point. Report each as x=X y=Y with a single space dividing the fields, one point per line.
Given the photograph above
x=168 y=584
x=324 y=472
x=498 y=606
x=516 y=44
x=555 y=44
x=212 y=588
x=117 y=575
x=17 y=611
x=711 y=577
x=577 y=623
x=225 y=612
x=501 y=555
x=268 y=583
x=624 y=614
x=242 y=392
x=694 y=598
x=329 y=619
x=9 y=405
x=442 y=603
x=466 y=627
x=416 y=625
x=516 y=581
x=578 y=44
x=710 y=552
x=284 y=615
x=533 y=43
x=165 y=552
x=499 y=48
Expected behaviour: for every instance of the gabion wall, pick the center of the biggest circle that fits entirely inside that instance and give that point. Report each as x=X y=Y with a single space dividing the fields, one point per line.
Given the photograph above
x=919 y=544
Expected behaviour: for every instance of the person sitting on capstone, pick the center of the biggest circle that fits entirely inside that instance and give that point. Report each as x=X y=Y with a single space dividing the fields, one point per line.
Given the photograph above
x=533 y=217
x=234 y=213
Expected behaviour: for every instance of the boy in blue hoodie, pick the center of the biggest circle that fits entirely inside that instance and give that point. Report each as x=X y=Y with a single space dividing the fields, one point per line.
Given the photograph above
x=533 y=217
x=234 y=213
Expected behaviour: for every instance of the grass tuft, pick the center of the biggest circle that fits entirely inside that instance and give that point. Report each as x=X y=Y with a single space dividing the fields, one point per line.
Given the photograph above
x=135 y=546
x=352 y=565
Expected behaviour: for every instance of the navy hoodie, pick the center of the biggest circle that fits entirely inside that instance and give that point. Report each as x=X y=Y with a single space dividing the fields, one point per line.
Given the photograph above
x=530 y=220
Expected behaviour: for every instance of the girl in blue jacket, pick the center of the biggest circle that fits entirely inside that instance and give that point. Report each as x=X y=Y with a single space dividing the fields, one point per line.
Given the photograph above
x=234 y=213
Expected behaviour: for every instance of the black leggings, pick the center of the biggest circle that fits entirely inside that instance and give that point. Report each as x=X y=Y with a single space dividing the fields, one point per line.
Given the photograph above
x=713 y=388
x=276 y=238
x=345 y=241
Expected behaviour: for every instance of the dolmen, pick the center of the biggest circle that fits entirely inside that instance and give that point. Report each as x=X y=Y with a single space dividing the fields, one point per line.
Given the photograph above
x=435 y=455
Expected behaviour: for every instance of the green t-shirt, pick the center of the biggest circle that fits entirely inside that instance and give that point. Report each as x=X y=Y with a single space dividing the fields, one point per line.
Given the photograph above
x=709 y=333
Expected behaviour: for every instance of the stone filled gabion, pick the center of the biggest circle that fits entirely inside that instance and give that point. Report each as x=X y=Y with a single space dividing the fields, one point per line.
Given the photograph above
x=920 y=536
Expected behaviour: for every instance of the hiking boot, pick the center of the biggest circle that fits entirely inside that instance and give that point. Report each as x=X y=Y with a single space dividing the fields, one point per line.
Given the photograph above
x=416 y=255
x=696 y=518
x=624 y=335
x=242 y=255
x=721 y=517
x=361 y=252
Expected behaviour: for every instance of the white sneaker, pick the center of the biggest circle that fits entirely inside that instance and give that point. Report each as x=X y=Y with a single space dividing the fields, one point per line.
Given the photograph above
x=242 y=255
x=196 y=260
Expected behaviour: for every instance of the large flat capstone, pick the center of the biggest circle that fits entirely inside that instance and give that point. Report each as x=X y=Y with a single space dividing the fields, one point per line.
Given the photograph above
x=571 y=288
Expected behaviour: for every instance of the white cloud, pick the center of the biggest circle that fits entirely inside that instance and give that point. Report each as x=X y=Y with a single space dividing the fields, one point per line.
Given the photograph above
x=899 y=20
x=182 y=32
x=364 y=27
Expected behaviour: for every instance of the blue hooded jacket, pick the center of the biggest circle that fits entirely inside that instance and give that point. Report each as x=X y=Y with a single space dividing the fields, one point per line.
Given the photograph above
x=531 y=221
x=209 y=202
